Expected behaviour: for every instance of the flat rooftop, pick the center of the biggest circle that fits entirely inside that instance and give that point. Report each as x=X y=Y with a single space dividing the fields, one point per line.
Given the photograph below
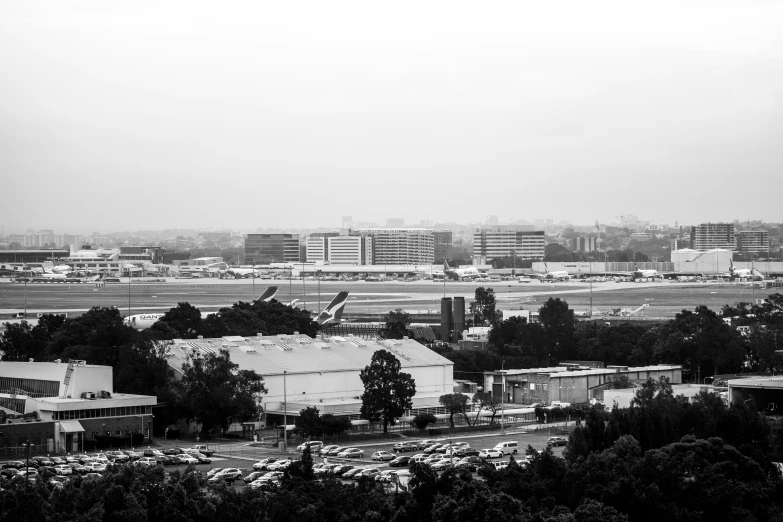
x=273 y=355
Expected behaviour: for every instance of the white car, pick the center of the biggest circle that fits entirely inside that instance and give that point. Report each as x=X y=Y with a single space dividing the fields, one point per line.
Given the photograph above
x=280 y=465
x=383 y=455
x=145 y=461
x=188 y=459
x=490 y=454
x=63 y=469
x=351 y=453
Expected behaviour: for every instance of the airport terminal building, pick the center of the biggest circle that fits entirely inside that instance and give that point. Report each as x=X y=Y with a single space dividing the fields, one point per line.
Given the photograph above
x=300 y=371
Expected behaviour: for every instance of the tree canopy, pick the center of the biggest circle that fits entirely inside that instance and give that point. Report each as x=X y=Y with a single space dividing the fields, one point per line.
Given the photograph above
x=387 y=390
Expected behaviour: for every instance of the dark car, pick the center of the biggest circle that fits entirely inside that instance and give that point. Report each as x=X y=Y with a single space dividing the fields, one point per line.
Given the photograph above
x=42 y=461
x=469 y=463
x=202 y=459
x=400 y=462
x=557 y=441
x=339 y=471
x=57 y=460
x=466 y=452
x=9 y=472
x=253 y=476
x=171 y=451
x=432 y=449
x=78 y=468
x=17 y=464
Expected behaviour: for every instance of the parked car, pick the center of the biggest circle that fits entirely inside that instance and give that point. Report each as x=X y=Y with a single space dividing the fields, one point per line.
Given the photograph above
x=63 y=469
x=383 y=456
x=17 y=464
x=351 y=453
x=466 y=452
x=400 y=462
x=57 y=460
x=201 y=448
x=133 y=455
x=77 y=468
x=432 y=448
x=202 y=459
x=145 y=461
x=385 y=475
x=27 y=475
x=314 y=445
x=426 y=443
x=340 y=470
x=263 y=464
x=214 y=471
x=442 y=464
x=9 y=472
x=42 y=461
x=253 y=476
x=368 y=472
x=326 y=449
x=280 y=465
x=189 y=460
x=556 y=441
x=490 y=454
x=469 y=463
x=333 y=452
x=229 y=475
x=508 y=448
x=352 y=472
x=405 y=446
x=153 y=453
x=419 y=457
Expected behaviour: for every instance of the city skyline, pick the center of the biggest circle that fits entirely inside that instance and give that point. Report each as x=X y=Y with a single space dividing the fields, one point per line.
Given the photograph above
x=185 y=115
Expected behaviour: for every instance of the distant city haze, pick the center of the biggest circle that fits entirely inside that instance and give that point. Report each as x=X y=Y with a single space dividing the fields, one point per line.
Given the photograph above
x=151 y=115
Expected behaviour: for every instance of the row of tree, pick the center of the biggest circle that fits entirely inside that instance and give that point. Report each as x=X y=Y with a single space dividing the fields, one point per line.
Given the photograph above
x=702 y=341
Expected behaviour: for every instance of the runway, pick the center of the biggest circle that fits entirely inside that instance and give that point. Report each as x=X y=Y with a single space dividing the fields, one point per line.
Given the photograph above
x=665 y=299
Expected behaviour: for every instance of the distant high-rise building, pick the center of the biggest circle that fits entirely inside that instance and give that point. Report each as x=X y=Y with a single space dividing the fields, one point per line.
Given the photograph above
x=395 y=223
x=753 y=241
x=350 y=250
x=271 y=248
x=492 y=220
x=508 y=240
x=347 y=222
x=442 y=244
x=713 y=235
x=401 y=246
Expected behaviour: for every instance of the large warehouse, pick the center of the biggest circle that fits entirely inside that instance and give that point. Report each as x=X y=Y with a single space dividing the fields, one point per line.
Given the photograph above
x=323 y=372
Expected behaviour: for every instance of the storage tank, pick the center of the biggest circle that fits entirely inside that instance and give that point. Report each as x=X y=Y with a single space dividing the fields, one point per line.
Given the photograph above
x=459 y=317
x=446 y=322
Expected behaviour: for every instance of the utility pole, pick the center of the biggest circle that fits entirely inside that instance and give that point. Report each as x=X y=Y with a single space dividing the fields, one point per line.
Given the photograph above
x=285 y=413
x=502 y=395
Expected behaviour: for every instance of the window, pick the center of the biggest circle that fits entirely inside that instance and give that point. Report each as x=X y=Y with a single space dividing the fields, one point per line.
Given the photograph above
x=545 y=386
x=532 y=386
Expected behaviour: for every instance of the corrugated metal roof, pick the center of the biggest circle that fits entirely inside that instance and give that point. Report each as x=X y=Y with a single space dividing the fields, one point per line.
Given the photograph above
x=271 y=355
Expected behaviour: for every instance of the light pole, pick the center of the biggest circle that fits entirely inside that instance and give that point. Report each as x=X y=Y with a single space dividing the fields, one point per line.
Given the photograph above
x=318 y=273
x=502 y=395
x=290 y=275
x=304 y=290
x=129 y=293
x=254 y=281
x=285 y=413
x=27 y=464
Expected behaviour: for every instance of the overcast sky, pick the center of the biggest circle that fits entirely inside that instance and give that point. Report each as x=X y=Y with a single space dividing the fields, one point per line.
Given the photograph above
x=128 y=115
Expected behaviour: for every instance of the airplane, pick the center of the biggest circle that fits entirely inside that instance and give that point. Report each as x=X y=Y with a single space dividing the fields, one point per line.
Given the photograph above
x=557 y=275
x=144 y=321
x=333 y=312
x=636 y=274
x=242 y=272
x=459 y=273
x=743 y=273
x=50 y=275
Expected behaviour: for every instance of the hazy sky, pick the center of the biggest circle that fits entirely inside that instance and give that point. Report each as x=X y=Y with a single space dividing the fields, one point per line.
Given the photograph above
x=127 y=115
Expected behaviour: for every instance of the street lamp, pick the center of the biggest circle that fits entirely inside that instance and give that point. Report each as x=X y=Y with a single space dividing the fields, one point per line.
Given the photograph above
x=502 y=396
x=318 y=273
x=285 y=413
x=27 y=445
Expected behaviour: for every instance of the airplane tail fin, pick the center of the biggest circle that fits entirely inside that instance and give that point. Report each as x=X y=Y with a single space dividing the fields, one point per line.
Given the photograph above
x=446 y=264
x=334 y=310
x=268 y=295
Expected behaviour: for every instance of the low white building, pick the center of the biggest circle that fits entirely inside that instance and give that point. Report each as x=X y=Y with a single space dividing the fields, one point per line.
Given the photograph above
x=71 y=402
x=623 y=397
x=300 y=371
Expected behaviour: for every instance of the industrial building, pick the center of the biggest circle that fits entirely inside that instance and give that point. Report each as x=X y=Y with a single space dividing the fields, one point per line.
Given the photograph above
x=61 y=406
x=622 y=398
x=300 y=371
x=31 y=256
x=762 y=390
x=713 y=235
x=335 y=248
x=262 y=249
x=443 y=244
x=508 y=240
x=583 y=244
x=568 y=383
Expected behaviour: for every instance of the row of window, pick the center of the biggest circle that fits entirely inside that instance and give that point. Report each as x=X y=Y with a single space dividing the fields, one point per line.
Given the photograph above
x=538 y=386
x=32 y=387
x=97 y=413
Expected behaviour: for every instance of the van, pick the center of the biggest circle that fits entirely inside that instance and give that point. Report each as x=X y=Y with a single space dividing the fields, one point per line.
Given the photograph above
x=508 y=448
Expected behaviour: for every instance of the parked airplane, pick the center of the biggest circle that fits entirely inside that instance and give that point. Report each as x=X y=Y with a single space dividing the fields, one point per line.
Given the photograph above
x=333 y=312
x=144 y=321
x=459 y=273
x=637 y=274
x=743 y=273
x=557 y=275
x=50 y=275
x=242 y=272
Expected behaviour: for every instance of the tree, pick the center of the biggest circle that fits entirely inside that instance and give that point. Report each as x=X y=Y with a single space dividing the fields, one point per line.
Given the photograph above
x=396 y=324
x=308 y=422
x=185 y=319
x=485 y=400
x=215 y=393
x=455 y=403
x=483 y=308
x=559 y=324
x=422 y=420
x=387 y=390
